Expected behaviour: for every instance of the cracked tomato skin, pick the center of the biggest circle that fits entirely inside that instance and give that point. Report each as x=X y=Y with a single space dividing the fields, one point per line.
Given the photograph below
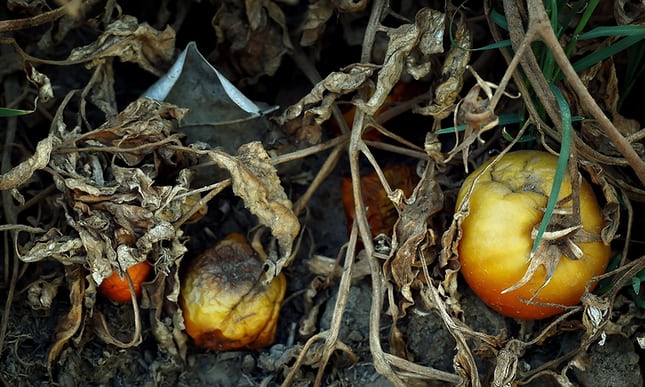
x=224 y=302
x=505 y=205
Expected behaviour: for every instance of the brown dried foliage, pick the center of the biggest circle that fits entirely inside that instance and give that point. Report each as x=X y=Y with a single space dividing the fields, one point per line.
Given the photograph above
x=114 y=194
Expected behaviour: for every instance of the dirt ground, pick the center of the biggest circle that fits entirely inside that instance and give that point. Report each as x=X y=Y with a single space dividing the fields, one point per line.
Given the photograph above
x=96 y=178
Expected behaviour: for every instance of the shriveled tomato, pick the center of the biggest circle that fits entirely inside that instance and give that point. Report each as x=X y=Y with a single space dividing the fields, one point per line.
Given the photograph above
x=117 y=289
x=381 y=213
x=225 y=303
x=506 y=205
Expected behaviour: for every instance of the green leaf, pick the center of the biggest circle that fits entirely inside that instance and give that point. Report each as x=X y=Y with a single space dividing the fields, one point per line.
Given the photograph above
x=7 y=112
x=561 y=168
x=605 y=53
x=607 y=31
x=499 y=19
x=636 y=285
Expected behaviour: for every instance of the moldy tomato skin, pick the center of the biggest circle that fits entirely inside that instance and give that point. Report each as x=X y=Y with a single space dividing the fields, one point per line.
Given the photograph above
x=224 y=302
x=117 y=289
x=506 y=203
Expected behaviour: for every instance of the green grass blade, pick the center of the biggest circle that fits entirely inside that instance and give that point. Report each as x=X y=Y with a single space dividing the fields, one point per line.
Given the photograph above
x=499 y=19
x=605 y=53
x=7 y=112
x=561 y=170
x=586 y=15
x=609 y=31
x=504 y=119
x=571 y=13
x=492 y=46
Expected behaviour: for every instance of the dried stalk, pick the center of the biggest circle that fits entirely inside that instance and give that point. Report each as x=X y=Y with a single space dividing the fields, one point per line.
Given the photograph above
x=539 y=28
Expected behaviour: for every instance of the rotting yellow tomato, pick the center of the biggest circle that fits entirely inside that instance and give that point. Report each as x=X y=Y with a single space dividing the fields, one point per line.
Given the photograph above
x=224 y=302
x=507 y=203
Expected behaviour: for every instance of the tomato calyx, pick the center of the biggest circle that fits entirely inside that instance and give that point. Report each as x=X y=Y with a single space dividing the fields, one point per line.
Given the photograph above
x=560 y=241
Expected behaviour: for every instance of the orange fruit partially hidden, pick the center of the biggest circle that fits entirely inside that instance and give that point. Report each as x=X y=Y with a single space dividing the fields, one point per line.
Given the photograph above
x=117 y=289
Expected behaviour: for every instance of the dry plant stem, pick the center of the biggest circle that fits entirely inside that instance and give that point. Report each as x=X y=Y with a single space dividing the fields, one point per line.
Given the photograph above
x=379 y=172
x=324 y=171
x=114 y=149
x=453 y=328
x=136 y=336
x=633 y=268
x=583 y=148
x=30 y=22
x=10 y=256
x=397 y=149
x=214 y=190
x=540 y=28
x=304 y=64
x=628 y=233
x=340 y=306
x=288 y=380
x=299 y=154
x=416 y=371
x=381 y=363
x=401 y=108
x=395 y=136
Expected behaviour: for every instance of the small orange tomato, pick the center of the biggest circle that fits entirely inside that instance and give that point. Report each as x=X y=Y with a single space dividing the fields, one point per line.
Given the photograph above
x=117 y=289
x=506 y=205
x=381 y=213
x=225 y=304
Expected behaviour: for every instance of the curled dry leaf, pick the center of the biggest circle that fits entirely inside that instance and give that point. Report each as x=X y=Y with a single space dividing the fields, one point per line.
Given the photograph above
x=19 y=174
x=597 y=311
x=123 y=199
x=41 y=293
x=454 y=67
x=602 y=80
x=70 y=323
x=256 y=181
x=477 y=114
x=161 y=297
x=130 y=41
x=45 y=91
x=316 y=105
x=411 y=231
x=506 y=368
x=611 y=209
x=133 y=133
x=253 y=37
x=628 y=12
x=319 y=12
x=425 y=35
x=313 y=26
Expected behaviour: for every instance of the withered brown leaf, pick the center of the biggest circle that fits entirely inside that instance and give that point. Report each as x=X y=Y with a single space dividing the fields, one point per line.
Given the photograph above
x=256 y=181
x=130 y=41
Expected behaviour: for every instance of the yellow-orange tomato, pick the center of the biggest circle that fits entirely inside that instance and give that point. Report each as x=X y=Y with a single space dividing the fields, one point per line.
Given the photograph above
x=117 y=289
x=224 y=302
x=507 y=202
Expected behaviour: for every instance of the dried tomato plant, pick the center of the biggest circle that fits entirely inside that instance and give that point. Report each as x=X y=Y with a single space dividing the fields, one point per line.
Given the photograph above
x=99 y=178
